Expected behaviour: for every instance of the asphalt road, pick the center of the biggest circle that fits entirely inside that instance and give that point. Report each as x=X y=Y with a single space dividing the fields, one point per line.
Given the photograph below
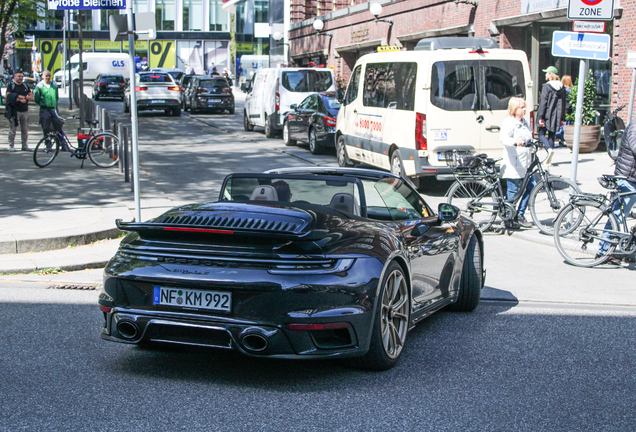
x=498 y=368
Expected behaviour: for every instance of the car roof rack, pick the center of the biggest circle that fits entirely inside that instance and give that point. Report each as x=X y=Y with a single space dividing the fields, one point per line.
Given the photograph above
x=431 y=44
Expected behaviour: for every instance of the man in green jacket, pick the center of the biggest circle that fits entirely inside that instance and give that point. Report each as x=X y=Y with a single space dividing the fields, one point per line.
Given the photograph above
x=46 y=96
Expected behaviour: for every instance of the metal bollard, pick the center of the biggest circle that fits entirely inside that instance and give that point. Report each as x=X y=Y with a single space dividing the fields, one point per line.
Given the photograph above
x=126 y=155
x=120 y=134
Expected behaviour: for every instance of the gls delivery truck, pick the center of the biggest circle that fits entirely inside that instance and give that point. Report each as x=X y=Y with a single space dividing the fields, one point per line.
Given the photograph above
x=95 y=64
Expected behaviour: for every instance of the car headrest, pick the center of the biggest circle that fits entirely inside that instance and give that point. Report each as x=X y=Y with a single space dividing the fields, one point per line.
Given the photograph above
x=345 y=203
x=264 y=193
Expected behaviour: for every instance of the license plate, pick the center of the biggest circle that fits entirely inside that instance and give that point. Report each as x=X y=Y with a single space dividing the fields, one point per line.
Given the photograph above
x=156 y=101
x=113 y=86
x=214 y=101
x=189 y=298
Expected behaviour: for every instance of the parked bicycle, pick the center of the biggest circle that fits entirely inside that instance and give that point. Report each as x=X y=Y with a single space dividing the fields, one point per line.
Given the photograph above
x=587 y=221
x=101 y=147
x=613 y=128
x=478 y=190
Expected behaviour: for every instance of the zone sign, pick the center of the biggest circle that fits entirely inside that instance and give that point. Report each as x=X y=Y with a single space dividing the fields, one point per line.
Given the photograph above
x=591 y=10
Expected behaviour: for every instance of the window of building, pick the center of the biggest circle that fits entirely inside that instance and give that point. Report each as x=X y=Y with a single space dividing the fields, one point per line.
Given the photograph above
x=218 y=17
x=54 y=19
x=261 y=11
x=164 y=14
x=140 y=6
x=104 y=17
x=192 y=15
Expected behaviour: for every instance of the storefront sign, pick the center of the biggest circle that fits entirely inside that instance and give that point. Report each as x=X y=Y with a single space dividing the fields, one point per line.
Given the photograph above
x=591 y=10
x=51 y=56
x=631 y=59
x=86 y=4
x=581 y=45
x=21 y=44
x=244 y=47
x=588 y=26
x=162 y=54
x=107 y=45
x=139 y=45
x=359 y=35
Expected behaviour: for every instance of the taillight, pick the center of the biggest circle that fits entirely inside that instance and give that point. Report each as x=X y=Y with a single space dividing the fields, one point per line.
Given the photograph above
x=138 y=89
x=174 y=88
x=101 y=84
x=420 y=132
x=277 y=100
x=201 y=90
x=104 y=308
x=329 y=121
x=226 y=90
x=532 y=121
x=122 y=84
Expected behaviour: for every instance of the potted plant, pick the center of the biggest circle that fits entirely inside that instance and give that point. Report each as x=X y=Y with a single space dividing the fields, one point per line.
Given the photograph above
x=590 y=133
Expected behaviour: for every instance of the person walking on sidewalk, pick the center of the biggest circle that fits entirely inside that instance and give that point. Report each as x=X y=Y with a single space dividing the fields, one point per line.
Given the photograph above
x=46 y=96
x=18 y=96
x=551 y=111
x=515 y=132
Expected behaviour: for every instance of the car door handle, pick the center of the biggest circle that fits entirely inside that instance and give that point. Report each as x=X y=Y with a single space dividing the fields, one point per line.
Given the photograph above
x=493 y=128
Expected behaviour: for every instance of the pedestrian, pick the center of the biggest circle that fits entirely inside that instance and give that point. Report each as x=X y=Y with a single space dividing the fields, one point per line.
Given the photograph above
x=515 y=132
x=551 y=111
x=18 y=97
x=566 y=80
x=626 y=167
x=215 y=72
x=210 y=69
x=46 y=96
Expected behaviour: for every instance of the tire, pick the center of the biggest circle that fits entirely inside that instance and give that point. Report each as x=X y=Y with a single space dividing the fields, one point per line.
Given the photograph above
x=341 y=153
x=231 y=110
x=43 y=155
x=397 y=167
x=543 y=214
x=103 y=150
x=390 y=323
x=249 y=127
x=468 y=196
x=315 y=147
x=176 y=112
x=126 y=107
x=577 y=236
x=288 y=141
x=96 y=97
x=269 y=130
x=472 y=280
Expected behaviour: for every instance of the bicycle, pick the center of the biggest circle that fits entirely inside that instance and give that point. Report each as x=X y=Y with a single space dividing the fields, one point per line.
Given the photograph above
x=478 y=190
x=588 y=218
x=613 y=128
x=101 y=147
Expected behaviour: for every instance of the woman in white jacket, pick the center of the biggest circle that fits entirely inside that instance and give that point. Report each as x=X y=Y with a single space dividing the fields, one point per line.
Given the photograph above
x=515 y=131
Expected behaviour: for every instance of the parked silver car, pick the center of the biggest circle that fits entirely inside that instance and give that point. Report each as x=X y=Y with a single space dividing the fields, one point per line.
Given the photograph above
x=155 y=91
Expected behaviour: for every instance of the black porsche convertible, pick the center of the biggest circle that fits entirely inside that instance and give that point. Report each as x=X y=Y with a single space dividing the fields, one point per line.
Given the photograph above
x=294 y=263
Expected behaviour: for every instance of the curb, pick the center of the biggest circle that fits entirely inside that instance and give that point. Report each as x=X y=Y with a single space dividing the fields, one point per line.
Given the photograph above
x=43 y=244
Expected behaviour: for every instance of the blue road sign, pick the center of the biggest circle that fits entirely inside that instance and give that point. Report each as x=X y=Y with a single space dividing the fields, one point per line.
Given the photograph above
x=86 y=4
x=581 y=45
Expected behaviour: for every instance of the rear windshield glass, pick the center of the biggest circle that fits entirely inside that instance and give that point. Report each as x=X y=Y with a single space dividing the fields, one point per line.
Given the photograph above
x=155 y=77
x=331 y=103
x=214 y=84
x=307 y=81
x=112 y=79
x=470 y=85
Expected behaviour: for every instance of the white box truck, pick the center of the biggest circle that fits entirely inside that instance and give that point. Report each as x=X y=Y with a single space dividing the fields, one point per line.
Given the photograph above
x=95 y=64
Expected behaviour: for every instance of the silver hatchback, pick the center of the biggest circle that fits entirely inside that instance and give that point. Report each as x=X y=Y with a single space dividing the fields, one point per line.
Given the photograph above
x=155 y=91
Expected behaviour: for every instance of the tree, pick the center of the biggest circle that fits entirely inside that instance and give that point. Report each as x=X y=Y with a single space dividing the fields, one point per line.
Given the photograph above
x=15 y=16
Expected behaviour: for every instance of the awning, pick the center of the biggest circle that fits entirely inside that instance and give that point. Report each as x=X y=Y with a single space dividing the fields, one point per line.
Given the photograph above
x=230 y=5
x=526 y=19
x=311 y=54
x=360 y=46
x=448 y=31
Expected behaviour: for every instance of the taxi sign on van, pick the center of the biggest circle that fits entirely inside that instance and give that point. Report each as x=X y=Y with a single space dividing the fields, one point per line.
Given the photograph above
x=389 y=48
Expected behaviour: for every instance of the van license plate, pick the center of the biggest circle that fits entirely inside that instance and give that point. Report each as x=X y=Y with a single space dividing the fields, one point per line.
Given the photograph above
x=214 y=101
x=189 y=298
x=156 y=101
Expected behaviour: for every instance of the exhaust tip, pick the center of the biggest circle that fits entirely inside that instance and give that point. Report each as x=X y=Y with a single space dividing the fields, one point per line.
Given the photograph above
x=127 y=329
x=254 y=342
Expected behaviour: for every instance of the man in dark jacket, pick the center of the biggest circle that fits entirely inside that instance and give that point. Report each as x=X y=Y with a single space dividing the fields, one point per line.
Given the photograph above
x=625 y=166
x=19 y=95
x=551 y=111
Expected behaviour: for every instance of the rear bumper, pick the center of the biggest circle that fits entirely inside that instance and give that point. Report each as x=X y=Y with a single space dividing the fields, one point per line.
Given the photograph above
x=164 y=104
x=213 y=103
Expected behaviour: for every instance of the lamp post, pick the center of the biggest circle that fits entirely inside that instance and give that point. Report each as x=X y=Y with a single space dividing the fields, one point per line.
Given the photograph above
x=278 y=36
x=318 y=26
x=376 y=10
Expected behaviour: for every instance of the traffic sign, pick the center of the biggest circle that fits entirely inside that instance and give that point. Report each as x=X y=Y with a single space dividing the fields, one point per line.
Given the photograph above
x=588 y=26
x=591 y=10
x=631 y=59
x=581 y=45
x=86 y=4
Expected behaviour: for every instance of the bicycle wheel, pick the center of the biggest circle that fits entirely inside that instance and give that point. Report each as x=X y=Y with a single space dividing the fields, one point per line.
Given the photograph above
x=543 y=211
x=579 y=244
x=103 y=150
x=46 y=150
x=474 y=198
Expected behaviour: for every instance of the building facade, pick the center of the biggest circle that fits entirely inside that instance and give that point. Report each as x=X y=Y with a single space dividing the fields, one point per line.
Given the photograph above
x=350 y=31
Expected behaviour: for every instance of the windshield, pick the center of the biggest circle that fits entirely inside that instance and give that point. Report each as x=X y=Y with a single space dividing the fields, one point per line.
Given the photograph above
x=209 y=84
x=307 y=81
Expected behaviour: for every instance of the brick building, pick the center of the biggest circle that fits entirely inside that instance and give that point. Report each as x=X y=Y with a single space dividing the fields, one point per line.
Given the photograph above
x=350 y=31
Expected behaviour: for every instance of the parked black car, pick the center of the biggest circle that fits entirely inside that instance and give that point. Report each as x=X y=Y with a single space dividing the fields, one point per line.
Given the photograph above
x=313 y=122
x=111 y=86
x=294 y=263
x=209 y=93
x=184 y=81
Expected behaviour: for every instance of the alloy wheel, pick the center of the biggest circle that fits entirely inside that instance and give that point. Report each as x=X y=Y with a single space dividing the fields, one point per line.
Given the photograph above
x=394 y=314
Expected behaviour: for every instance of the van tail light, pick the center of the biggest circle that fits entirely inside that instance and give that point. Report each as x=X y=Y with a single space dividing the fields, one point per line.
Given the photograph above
x=532 y=121
x=177 y=88
x=329 y=121
x=420 y=132
x=138 y=89
x=277 y=100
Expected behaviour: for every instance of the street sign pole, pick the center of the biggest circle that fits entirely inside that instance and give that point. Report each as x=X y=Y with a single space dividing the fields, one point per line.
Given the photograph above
x=631 y=98
x=133 y=111
x=577 y=121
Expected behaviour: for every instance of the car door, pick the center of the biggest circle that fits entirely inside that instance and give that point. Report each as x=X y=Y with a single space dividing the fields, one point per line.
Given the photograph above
x=305 y=116
x=296 y=119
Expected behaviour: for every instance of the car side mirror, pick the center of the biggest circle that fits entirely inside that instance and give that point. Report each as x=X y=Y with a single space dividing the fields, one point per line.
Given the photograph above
x=447 y=212
x=339 y=95
x=293 y=106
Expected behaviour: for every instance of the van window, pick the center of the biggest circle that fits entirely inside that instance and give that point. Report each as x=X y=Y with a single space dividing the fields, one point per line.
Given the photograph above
x=476 y=84
x=354 y=84
x=75 y=66
x=307 y=81
x=390 y=85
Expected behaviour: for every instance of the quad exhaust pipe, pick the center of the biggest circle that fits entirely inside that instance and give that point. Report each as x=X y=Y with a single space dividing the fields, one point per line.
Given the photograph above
x=127 y=329
x=254 y=342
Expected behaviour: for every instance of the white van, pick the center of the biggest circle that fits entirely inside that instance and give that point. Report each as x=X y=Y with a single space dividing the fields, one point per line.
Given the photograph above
x=95 y=64
x=402 y=110
x=275 y=90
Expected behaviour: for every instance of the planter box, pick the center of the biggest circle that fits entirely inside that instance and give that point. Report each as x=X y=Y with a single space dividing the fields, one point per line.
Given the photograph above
x=590 y=137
